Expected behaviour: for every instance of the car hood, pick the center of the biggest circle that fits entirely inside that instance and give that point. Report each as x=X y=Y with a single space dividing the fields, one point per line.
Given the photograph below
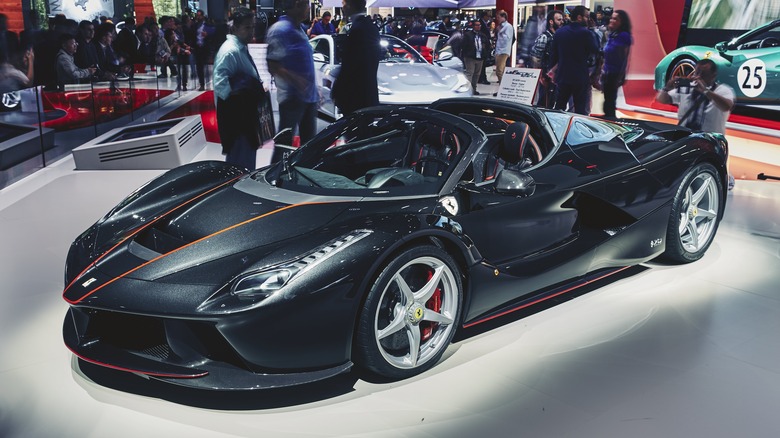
x=229 y=221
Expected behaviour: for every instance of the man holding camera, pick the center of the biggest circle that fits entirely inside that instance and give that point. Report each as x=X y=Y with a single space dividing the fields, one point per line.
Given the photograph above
x=703 y=103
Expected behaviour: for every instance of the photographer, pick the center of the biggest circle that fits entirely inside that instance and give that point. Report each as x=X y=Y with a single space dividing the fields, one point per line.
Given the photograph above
x=703 y=103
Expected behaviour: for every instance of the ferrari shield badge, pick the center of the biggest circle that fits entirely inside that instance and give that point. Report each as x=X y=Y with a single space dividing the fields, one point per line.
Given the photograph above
x=450 y=204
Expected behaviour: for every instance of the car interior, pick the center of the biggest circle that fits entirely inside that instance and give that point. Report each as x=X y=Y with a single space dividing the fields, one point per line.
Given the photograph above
x=394 y=151
x=511 y=145
x=770 y=38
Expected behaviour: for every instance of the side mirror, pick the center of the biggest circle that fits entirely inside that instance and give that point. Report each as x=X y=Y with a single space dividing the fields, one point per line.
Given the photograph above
x=319 y=57
x=514 y=182
x=444 y=56
x=721 y=47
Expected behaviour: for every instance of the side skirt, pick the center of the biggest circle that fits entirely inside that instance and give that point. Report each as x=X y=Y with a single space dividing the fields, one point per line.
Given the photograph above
x=546 y=295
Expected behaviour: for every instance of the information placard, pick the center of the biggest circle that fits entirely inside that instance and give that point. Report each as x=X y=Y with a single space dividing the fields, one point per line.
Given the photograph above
x=519 y=85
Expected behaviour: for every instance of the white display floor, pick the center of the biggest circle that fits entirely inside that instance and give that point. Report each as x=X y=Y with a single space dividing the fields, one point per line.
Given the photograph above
x=669 y=351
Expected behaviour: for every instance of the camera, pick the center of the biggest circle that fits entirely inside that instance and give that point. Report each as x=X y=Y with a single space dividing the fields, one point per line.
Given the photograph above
x=683 y=82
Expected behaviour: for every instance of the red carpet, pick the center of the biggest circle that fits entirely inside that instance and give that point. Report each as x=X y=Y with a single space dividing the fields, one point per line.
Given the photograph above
x=641 y=93
x=83 y=110
x=203 y=105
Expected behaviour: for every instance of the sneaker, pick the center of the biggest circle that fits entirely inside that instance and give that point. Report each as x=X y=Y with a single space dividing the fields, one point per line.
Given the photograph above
x=201 y=88
x=495 y=94
x=476 y=93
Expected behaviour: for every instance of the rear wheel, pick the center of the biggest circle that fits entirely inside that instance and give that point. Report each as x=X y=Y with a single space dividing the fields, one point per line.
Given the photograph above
x=695 y=215
x=410 y=314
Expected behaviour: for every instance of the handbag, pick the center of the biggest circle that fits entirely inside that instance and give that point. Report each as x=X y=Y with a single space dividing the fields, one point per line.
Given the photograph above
x=265 y=112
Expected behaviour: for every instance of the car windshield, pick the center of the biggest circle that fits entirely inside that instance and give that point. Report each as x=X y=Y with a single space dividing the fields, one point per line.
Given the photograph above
x=559 y=123
x=392 y=50
x=377 y=152
x=760 y=38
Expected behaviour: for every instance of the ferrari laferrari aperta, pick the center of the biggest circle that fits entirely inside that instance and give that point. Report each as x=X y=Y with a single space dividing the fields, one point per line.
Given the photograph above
x=372 y=244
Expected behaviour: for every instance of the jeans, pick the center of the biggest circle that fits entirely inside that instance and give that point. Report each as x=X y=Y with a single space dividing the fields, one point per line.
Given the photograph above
x=242 y=154
x=294 y=113
x=611 y=85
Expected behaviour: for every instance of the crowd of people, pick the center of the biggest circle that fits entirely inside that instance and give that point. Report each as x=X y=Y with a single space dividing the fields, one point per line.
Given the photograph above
x=69 y=51
x=577 y=51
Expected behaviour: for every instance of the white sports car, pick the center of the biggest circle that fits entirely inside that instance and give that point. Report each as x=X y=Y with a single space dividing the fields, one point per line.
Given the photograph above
x=403 y=77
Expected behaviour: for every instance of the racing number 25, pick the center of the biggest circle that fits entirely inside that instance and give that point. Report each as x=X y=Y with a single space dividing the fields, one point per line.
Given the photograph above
x=756 y=73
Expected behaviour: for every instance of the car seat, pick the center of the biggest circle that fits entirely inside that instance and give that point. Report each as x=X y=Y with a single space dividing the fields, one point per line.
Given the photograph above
x=434 y=150
x=508 y=153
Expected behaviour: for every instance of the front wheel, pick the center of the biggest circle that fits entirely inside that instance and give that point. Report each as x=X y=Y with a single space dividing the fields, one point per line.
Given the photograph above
x=695 y=215
x=410 y=314
x=683 y=68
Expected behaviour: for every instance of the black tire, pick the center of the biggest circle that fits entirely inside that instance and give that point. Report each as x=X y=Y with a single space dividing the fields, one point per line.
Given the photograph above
x=392 y=322
x=695 y=215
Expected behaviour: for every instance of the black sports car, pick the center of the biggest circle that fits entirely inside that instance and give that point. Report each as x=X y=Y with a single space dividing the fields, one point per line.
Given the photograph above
x=374 y=242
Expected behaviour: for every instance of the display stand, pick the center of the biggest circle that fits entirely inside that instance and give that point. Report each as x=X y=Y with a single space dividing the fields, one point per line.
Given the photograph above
x=159 y=145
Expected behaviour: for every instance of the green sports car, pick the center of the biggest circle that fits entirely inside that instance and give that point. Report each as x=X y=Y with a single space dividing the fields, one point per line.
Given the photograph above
x=750 y=64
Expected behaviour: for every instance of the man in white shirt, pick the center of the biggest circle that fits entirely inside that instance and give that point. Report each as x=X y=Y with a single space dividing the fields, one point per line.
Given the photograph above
x=504 y=40
x=703 y=103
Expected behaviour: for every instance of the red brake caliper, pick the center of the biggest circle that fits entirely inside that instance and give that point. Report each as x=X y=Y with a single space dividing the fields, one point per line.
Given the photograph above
x=434 y=303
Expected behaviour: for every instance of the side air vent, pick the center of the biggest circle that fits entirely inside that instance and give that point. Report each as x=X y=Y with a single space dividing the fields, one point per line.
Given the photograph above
x=599 y=214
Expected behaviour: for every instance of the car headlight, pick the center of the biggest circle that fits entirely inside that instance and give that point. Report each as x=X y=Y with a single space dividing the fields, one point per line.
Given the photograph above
x=462 y=85
x=384 y=90
x=270 y=280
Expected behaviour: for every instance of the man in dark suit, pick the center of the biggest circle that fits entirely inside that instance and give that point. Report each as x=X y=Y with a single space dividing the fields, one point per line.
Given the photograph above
x=109 y=64
x=570 y=50
x=86 y=53
x=356 y=85
x=486 y=21
x=146 y=50
x=475 y=49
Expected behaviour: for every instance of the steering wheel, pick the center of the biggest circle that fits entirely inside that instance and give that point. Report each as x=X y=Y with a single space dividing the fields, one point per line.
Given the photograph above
x=419 y=166
x=769 y=42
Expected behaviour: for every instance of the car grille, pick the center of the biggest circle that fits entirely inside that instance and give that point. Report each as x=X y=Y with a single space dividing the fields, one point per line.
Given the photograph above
x=175 y=341
x=162 y=352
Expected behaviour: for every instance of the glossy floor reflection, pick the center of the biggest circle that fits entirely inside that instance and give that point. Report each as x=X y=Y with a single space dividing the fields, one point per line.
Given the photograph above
x=667 y=351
